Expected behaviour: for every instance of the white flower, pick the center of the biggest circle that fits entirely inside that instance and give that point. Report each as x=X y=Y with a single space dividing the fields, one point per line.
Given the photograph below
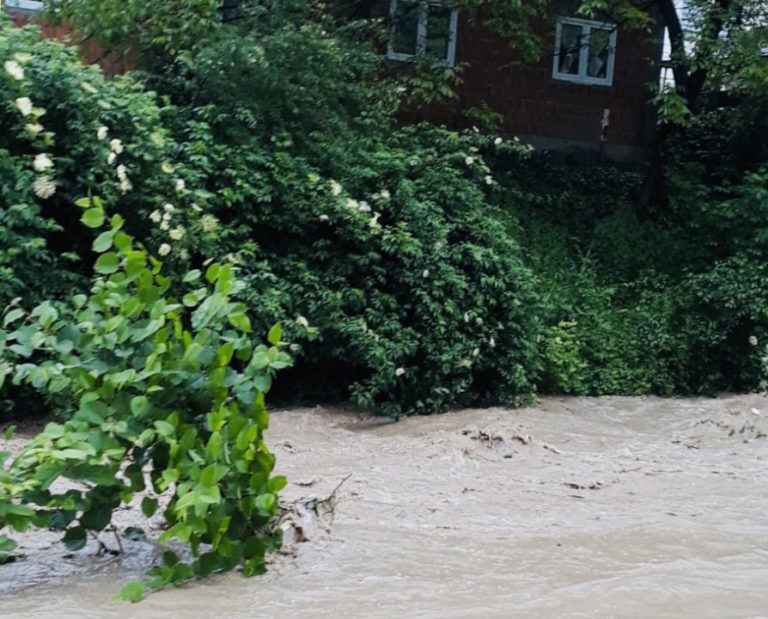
x=498 y=141
x=413 y=162
x=335 y=188
x=364 y=207
x=488 y=179
x=168 y=207
x=374 y=222
x=167 y=216
x=156 y=216
x=323 y=217
x=302 y=321
x=102 y=132
x=208 y=223
x=475 y=352
x=164 y=225
x=44 y=187
x=196 y=208
x=14 y=69
x=469 y=160
x=111 y=158
x=478 y=321
x=466 y=316
x=166 y=167
x=177 y=233
x=116 y=146
x=399 y=372
x=42 y=162
x=25 y=105
x=425 y=273
x=475 y=129
x=492 y=342
x=180 y=185
x=125 y=185
x=383 y=195
x=752 y=340
x=122 y=172
x=164 y=249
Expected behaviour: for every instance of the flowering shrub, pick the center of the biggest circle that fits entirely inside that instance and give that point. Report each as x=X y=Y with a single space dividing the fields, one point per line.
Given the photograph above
x=162 y=386
x=66 y=132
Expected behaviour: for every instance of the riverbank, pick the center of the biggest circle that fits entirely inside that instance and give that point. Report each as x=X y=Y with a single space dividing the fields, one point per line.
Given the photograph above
x=580 y=507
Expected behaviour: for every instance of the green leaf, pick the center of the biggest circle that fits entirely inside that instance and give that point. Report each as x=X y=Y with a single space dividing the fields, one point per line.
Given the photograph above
x=93 y=217
x=277 y=483
x=191 y=276
x=274 y=335
x=148 y=506
x=74 y=539
x=14 y=314
x=96 y=519
x=107 y=263
x=103 y=242
x=132 y=592
x=212 y=272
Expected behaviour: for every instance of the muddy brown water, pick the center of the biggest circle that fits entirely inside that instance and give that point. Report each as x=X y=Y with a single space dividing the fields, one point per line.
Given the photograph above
x=590 y=507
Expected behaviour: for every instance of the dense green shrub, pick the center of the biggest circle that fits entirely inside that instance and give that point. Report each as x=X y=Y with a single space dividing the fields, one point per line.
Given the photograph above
x=65 y=132
x=162 y=386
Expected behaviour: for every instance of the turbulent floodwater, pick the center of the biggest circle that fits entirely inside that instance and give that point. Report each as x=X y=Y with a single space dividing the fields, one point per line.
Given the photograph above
x=589 y=507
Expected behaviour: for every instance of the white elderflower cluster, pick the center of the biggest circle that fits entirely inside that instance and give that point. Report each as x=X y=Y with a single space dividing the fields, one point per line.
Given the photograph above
x=122 y=176
x=177 y=233
x=209 y=223
x=24 y=104
x=44 y=187
x=42 y=162
x=14 y=69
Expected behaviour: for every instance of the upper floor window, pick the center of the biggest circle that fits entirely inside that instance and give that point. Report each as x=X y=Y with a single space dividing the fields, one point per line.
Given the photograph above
x=584 y=51
x=421 y=27
x=24 y=5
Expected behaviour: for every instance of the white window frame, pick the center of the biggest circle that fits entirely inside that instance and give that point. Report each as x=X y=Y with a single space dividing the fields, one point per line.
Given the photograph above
x=24 y=5
x=581 y=77
x=421 y=34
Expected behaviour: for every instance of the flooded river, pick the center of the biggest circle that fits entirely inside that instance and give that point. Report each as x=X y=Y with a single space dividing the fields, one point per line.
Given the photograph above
x=588 y=507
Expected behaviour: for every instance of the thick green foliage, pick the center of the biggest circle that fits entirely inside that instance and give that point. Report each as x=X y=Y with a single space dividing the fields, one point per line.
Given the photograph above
x=163 y=390
x=57 y=143
x=673 y=304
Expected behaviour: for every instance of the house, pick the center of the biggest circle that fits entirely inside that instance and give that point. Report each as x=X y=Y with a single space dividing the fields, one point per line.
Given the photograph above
x=589 y=97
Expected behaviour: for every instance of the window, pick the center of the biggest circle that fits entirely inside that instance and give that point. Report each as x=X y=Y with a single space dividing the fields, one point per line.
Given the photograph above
x=422 y=27
x=24 y=5
x=584 y=51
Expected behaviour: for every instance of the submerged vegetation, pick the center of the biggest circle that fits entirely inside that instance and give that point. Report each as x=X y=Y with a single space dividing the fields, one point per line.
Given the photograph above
x=258 y=175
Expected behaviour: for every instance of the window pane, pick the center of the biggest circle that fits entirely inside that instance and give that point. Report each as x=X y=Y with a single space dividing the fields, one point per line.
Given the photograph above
x=405 y=28
x=599 y=51
x=570 y=46
x=438 y=31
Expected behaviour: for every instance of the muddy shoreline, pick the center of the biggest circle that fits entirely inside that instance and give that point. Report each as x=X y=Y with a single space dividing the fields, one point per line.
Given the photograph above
x=579 y=507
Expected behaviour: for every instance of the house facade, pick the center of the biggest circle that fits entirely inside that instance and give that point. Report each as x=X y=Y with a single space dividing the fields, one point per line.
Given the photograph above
x=588 y=96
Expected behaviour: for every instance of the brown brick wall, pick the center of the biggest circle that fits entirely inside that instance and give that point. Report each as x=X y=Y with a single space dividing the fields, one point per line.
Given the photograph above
x=111 y=64
x=533 y=103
